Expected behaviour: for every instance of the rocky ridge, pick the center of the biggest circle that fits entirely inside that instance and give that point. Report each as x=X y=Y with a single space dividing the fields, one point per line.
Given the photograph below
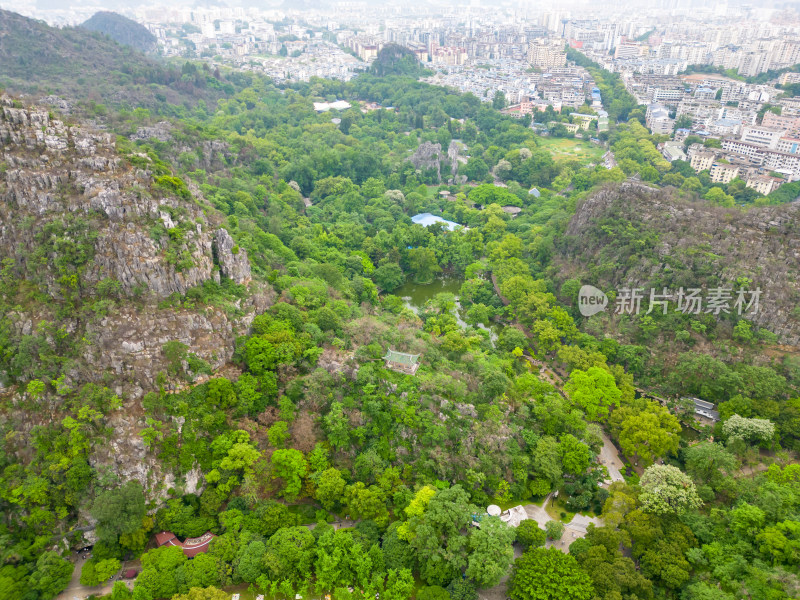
x=77 y=217
x=694 y=244
x=429 y=155
x=149 y=242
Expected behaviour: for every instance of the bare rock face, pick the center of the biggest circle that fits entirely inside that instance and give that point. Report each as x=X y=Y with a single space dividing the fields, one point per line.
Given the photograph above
x=159 y=131
x=431 y=156
x=693 y=244
x=82 y=223
x=428 y=156
x=233 y=261
x=67 y=200
x=52 y=170
x=130 y=343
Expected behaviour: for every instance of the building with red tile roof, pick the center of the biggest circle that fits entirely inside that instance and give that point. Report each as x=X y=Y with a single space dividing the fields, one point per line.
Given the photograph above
x=191 y=546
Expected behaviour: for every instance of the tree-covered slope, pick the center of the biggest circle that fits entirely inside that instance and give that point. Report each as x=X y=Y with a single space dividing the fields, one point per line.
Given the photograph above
x=122 y=30
x=159 y=375
x=83 y=65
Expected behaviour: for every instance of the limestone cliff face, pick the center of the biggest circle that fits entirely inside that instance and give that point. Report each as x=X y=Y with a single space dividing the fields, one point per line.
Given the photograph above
x=431 y=156
x=102 y=245
x=52 y=169
x=672 y=242
x=233 y=261
x=68 y=198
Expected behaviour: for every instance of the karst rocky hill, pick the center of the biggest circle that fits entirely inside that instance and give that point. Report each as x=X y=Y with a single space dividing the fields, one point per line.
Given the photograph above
x=93 y=243
x=632 y=235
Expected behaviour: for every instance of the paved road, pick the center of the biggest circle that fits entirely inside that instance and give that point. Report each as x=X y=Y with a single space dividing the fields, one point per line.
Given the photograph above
x=574 y=529
x=343 y=524
x=538 y=513
x=76 y=591
x=609 y=458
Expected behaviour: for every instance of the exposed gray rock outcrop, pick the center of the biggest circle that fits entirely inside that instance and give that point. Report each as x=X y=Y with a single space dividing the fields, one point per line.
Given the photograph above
x=160 y=131
x=430 y=155
x=233 y=261
x=147 y=243
x=696 y=244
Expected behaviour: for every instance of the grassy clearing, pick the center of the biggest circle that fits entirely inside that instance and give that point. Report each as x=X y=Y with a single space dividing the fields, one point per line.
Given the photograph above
x=571 y=149
x=555 y=507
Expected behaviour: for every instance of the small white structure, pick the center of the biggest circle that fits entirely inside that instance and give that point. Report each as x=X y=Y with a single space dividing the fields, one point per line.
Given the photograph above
x=514 y=516
x=326 y=106
x=511 y=517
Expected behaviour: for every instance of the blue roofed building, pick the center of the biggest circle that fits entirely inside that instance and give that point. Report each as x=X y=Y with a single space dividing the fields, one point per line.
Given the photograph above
x=427 y=219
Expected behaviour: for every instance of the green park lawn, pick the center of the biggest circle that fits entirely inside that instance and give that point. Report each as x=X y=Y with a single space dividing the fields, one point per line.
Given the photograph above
x=571 y=149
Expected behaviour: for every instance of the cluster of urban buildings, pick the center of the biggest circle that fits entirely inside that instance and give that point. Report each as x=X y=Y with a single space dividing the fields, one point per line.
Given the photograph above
x=746 y=47
x=756 y=144
x=764 y=155
x=518 y=49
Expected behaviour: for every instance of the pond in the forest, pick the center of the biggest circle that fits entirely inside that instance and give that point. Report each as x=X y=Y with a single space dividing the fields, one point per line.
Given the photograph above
x=415 y=295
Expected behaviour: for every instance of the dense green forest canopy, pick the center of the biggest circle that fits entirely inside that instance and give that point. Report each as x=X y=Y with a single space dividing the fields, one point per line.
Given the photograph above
x=310 y=427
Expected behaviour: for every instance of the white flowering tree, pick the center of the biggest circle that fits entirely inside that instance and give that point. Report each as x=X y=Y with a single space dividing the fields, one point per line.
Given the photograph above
x=754 y=431
x=667 y=490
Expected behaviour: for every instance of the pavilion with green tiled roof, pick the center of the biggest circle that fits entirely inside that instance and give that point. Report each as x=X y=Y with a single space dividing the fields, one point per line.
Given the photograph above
x=402 y=361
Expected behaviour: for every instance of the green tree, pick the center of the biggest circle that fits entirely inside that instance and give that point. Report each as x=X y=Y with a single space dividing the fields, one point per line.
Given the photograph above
x=476 y=169
x=278 y=433
x=554 y=529
x=594 y=391
x=433 y=592
x=290 y=466
x=650 y=433
x=437 y=535
x=120 y=591
x=368 y=502
x=51 y=575
x=716 y=195
x=491 y=552
x=119 y=511
x=499 y=100
x=95 y=572
x=530 y=535
x=330 y=488
x=666 y=490
x=209 y=593
x=389 y=276
x=550 y=574
x=710 y=463
x=423 y=264
x=290 y=554
x=575 y=455
x=249 y=561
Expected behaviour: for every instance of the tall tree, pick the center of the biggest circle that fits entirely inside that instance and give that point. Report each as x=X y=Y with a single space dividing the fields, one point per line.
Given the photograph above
x=594 y=390
x=119 y=511
x=650 y=433
x=550 y=574
x=51 y=575
x=438 y=535
x=666 y=490
x=491 y=552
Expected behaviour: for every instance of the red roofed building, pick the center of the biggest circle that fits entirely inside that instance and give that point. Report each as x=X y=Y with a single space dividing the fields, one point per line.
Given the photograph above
x=191 y=546
x=166 y=538
x=194 y=546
